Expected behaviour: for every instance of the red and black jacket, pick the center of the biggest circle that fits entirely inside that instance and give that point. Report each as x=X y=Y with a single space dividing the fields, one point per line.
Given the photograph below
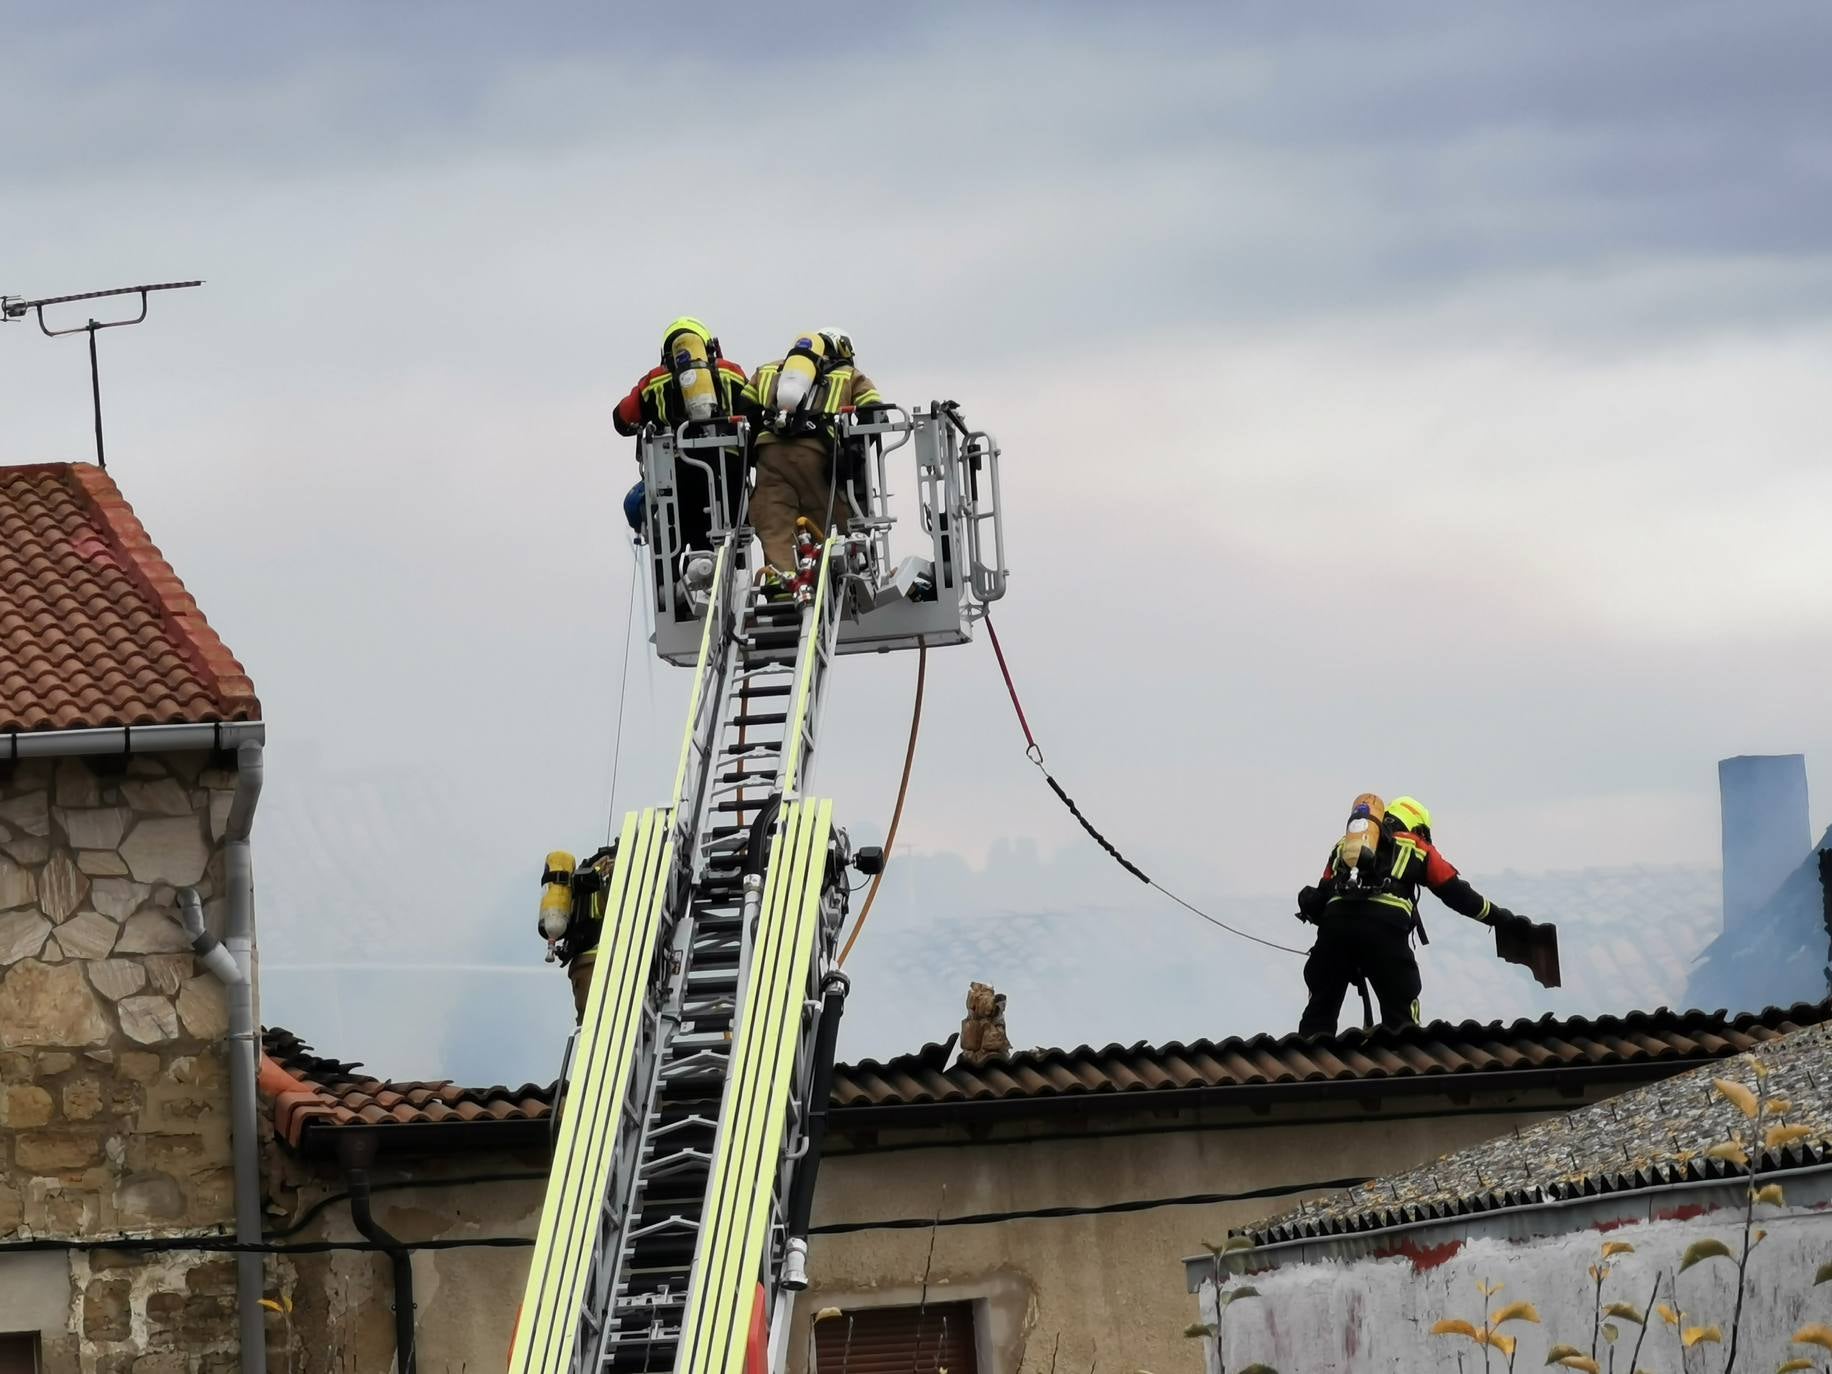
x=656 y=399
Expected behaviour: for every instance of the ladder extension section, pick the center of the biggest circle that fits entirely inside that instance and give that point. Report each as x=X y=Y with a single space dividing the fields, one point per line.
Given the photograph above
x=748 y=1157
x=549 y=1325
x=680 y=1125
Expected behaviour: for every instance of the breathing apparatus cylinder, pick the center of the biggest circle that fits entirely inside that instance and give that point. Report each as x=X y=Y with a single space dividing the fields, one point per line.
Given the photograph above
x=693 y=373
x=556 y=897
x=799 y=371
x=1362 y=837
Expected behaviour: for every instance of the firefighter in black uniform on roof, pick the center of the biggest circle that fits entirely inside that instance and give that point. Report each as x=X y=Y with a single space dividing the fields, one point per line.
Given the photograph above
x=1366 y=908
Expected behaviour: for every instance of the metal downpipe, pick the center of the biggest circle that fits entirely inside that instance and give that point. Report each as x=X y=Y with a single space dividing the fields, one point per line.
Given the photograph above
x=356 y=1150
x=244 y=1055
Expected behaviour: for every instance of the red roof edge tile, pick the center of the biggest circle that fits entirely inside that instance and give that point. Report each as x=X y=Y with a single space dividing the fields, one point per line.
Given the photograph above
x=201 y=646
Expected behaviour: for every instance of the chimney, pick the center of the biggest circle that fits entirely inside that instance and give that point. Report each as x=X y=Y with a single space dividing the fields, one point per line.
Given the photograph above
x=1763 y=802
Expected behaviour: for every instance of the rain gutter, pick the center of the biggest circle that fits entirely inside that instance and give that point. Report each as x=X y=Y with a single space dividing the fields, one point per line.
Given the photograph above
x=128 y=739
x=1522 y=1221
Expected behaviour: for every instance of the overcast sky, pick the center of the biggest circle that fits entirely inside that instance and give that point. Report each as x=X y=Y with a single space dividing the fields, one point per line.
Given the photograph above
x=1415 y=398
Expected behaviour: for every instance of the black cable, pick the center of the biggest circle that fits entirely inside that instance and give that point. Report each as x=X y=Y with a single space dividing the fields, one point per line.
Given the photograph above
x=1140 y=873
x=225 y=1246
x=317 y=1209
x=842 y=1228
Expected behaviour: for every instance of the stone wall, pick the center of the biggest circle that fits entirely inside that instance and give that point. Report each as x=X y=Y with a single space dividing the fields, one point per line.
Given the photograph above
x=114 y=1099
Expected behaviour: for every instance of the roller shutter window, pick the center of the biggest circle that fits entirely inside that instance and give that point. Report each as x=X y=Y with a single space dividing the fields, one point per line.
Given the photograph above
x=897 y=1340
x=19 y=1354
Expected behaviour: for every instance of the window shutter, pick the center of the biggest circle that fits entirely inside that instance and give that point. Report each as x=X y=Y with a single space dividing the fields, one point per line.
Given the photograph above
x=898 y=1340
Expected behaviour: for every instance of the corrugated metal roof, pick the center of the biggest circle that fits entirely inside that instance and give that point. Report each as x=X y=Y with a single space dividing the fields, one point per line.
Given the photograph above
x=1653 y=1136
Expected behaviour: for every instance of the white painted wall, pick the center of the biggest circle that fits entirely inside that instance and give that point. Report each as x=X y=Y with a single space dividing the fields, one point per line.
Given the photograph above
x=1374 y=1315
x=35 y=1293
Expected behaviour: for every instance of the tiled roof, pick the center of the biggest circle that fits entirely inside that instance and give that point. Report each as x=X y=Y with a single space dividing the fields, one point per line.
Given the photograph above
x=1438 y=1050
x=95 y=627
x=309 y=1090
x=1648 y=1137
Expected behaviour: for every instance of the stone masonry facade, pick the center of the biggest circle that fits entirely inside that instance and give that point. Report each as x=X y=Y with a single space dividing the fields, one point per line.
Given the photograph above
x=114 y=1096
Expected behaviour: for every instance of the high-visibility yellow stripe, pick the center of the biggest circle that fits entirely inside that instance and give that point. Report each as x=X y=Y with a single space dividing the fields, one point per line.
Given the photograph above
x=1407 y=853
x=717 y=1271
x=582 y=1158
x=804 y=675
x=737 y=1211
x=805 y=895
x=570 y=1214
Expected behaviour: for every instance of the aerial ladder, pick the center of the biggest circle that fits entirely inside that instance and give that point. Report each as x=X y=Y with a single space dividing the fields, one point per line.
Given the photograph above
x=692 y=1101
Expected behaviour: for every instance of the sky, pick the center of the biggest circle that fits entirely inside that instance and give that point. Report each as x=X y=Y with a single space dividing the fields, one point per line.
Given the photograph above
x=1412 y=398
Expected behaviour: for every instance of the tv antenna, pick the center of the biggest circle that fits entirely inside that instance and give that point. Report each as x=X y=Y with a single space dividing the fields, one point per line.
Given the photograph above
x=13 y=308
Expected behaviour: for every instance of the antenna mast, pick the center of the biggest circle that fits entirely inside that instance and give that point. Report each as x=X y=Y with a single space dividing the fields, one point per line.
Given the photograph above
x=13 y=308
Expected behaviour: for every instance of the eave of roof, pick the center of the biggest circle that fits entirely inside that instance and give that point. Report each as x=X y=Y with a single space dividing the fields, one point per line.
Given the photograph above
x=1648 y=1139
x=325 y=1095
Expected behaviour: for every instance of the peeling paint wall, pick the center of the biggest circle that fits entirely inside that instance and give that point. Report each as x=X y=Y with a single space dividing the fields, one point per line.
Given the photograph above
x=342 y=1318
x=1109 y=1285
x=1375 y=1314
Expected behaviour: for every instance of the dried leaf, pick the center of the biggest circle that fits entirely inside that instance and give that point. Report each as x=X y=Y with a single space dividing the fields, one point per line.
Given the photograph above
x=1756 y=1063
x=1730 y=1150
x=1516 y=1312
x=1583 y=1362
x=1824 y=1275
x=1785 y=1135
x=1487 y=1289
x=1617 y=1247
x=1701 y=1335
x=1769 y=1194
x=1456 y=1326
x=1259 y=1369
x=1668 y=1315
x=1195 y=1331
x=270 y=1304
x=1500 y=1341
x=1775 y=1106
x=1793 y=1365
x=1700 y=1250
x=1561 y=1351
x=1814 y=1333
x=1236 y=1294
x=1228 y=1246
x=1610 y=1332
x=1627 y=1312
x=1735 y=1092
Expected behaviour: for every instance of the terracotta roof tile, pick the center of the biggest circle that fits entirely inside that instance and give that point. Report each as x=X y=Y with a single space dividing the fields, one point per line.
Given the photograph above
x=309 y=1090
x=97 y=628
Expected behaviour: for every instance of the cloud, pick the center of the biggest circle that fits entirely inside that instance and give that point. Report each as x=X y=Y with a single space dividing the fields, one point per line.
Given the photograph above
x=1389 y=400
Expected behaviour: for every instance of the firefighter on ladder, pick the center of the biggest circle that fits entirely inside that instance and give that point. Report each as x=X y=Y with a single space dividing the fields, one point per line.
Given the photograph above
x=795 y=406
x=572 y=915
x=1366 y=909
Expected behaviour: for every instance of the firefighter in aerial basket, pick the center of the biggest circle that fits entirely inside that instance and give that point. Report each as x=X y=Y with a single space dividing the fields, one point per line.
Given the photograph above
x=694 y=384
x=572 y=915
x=796 y=406
x=1365 y=908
